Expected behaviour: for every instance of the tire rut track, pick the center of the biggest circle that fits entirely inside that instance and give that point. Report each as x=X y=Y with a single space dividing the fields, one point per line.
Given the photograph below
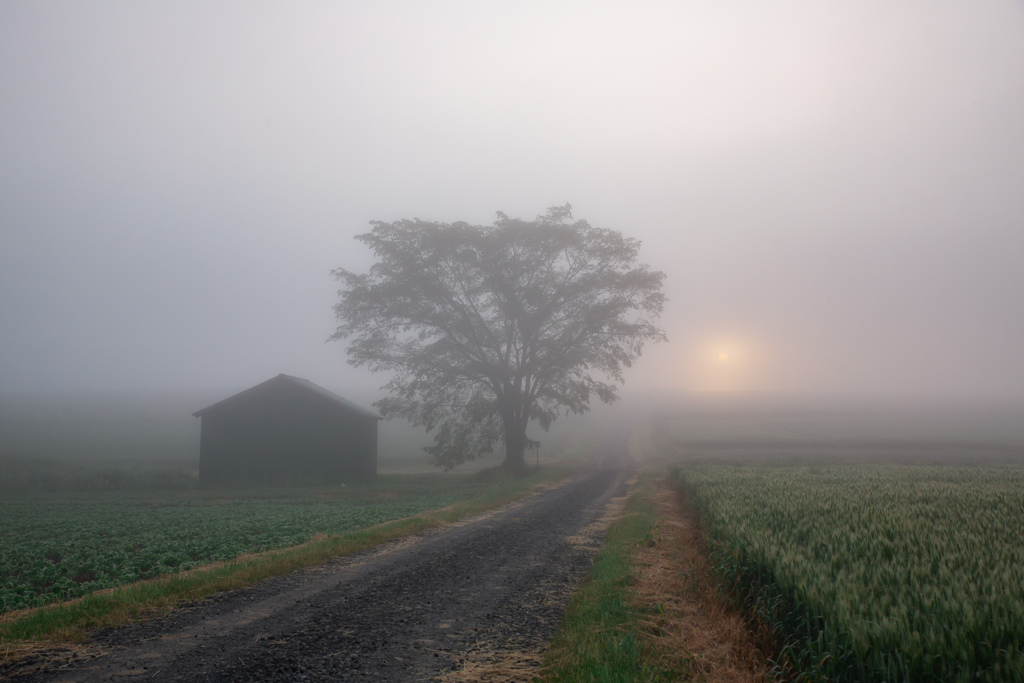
x=473 y=601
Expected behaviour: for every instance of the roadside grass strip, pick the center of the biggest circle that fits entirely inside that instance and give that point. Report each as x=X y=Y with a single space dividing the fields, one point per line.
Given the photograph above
x=689 y=625
x=599 y=638
x=69 y=620
x=873 y=572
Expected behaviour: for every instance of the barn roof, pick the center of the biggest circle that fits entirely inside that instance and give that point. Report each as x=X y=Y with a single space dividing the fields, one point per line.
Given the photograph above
x=298 y=381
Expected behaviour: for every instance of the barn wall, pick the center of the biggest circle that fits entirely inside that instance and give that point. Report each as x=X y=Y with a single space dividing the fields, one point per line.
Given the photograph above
x=284 y=435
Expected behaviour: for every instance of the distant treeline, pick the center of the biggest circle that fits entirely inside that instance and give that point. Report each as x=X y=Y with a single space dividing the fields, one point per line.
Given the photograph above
x=45 y=475
x=100 y=427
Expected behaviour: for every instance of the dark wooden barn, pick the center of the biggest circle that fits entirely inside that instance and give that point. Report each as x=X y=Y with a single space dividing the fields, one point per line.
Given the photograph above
x=286 y=431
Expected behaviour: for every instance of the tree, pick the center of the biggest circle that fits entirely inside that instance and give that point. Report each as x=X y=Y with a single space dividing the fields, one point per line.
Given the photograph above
x=487 y=328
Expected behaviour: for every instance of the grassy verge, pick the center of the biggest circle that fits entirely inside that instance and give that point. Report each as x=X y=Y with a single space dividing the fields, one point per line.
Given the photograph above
x=599 y=636
x=69 y=621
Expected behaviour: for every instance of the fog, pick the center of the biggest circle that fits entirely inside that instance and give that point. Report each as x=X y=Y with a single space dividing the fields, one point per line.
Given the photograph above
x=833 y=189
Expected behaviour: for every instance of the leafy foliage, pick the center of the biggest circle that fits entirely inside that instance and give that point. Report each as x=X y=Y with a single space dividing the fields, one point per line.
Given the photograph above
x=56 y=548
x=875 y=572
x=487 y=328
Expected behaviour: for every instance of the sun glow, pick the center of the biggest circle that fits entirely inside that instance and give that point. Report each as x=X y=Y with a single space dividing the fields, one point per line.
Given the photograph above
x=709 y=362
x=725 y=363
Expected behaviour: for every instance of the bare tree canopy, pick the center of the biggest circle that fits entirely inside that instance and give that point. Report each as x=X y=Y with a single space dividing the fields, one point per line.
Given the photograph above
x=486 y=328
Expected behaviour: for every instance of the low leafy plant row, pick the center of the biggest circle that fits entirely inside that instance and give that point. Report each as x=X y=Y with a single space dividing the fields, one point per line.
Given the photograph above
x=19 y=475
x=58 y=548
x=873 y=572
x=71 y=620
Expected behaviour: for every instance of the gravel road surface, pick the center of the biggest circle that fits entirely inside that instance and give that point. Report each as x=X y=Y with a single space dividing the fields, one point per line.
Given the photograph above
x=477 y=600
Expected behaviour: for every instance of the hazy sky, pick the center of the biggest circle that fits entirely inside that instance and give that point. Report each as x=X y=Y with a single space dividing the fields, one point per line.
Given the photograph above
x=835 y=189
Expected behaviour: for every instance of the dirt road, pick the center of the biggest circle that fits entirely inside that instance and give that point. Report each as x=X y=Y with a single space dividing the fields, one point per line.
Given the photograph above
x=474 y=601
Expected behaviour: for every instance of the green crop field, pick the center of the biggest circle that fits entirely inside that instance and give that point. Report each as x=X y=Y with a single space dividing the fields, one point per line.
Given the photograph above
x=874 y=571
x=55 y=547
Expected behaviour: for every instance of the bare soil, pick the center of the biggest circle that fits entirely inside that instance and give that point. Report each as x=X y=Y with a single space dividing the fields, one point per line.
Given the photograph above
x=477 y=600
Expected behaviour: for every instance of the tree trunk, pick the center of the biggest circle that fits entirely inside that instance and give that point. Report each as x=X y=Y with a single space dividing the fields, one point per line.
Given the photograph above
x=515 y=447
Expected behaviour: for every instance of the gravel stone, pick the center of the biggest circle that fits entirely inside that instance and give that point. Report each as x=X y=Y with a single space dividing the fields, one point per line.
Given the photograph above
x=483 y=595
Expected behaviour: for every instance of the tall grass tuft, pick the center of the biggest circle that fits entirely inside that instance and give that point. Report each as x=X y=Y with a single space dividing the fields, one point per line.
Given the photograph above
x=598 y=638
